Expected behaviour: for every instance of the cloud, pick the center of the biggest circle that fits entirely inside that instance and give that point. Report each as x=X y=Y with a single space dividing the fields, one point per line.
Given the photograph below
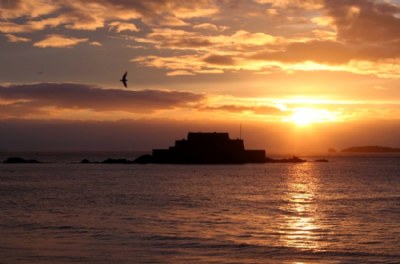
x=365 y=21
x=96 y=44
x=261 y=110
x=178 y=63
x=329 y=52
x=179 y=73
x=26 y=8
x=13 y=38
x=188 y=64
x=304 y=4
x=85 y=102
x=192 y=37
x=121 y=26
x=59 y=41
x=32 y=25
x=219 y=59
x=166 y=38
x=10 y=27
x=207 y=26
x=205 y=54
x=359 y=36
x=23 y=100
x=174 y=39
x=94 y=14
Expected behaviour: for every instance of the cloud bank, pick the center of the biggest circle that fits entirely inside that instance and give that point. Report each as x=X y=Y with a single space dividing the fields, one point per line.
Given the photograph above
x=25 y=100
x=216 y=36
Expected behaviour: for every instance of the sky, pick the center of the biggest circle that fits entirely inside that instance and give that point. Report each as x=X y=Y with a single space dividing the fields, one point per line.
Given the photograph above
x=296 y=75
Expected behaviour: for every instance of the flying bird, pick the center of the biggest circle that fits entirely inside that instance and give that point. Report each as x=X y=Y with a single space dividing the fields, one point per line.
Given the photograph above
x=124 y=80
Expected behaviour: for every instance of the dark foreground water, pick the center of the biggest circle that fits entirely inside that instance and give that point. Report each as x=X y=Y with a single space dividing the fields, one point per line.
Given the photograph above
x=344 y=211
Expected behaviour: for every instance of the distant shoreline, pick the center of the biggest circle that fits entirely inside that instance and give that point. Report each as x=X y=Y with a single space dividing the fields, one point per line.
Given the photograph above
x=370 y=149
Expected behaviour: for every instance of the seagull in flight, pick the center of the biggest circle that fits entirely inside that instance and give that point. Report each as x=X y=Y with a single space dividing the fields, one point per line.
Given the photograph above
x=124 y=80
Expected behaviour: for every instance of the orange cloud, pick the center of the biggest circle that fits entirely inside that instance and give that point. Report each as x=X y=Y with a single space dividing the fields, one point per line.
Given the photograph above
x=182 y=39
x=59 y=41
x=121 y=26
x=96 y=44
x=33 y=26
x=10 y=27
x=90 y=15
x=179 y=73
x=207 y=26
x=304 y=4
x=359 y=36
x=13 y=38
x=22 y=8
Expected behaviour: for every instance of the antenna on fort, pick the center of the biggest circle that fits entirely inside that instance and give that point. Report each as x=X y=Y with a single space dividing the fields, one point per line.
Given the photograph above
x=240 y=131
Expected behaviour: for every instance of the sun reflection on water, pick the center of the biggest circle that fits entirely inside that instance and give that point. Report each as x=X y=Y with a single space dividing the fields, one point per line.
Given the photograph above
x=300 y=224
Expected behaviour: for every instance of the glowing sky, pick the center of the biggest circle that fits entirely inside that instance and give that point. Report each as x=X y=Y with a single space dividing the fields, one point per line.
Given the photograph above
x=283 y=63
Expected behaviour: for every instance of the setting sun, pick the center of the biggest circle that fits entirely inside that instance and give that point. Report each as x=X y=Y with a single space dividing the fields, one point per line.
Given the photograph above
x=307 y=116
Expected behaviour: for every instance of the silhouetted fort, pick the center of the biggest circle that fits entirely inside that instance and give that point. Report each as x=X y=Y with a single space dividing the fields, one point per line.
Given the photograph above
x=208 y=148
x=198 y=148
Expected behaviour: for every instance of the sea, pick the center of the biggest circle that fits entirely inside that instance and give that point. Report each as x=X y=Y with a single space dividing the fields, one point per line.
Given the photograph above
x=346 y=210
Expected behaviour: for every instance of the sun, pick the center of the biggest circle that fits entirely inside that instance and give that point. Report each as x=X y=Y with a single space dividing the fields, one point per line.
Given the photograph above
x=307 y=116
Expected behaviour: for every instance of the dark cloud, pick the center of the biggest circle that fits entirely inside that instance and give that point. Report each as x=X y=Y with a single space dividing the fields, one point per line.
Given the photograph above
x=192 y=42
x=219 y=60
x=9 y=4
x=34 y=97
x=363 y=21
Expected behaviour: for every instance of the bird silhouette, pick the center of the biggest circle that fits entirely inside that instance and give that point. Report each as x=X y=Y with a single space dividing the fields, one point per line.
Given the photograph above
x=124 y=80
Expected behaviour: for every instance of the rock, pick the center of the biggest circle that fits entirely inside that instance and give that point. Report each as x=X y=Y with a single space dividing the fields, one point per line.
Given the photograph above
x=144 y=159
x=20 y=160
x=116 y=161
x=294 y=159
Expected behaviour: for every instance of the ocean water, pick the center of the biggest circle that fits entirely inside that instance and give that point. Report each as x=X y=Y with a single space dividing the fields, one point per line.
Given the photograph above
x=343 y=211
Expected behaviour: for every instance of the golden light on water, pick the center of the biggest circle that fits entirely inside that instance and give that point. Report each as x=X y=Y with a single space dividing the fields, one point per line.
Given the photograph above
x=300 y=225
